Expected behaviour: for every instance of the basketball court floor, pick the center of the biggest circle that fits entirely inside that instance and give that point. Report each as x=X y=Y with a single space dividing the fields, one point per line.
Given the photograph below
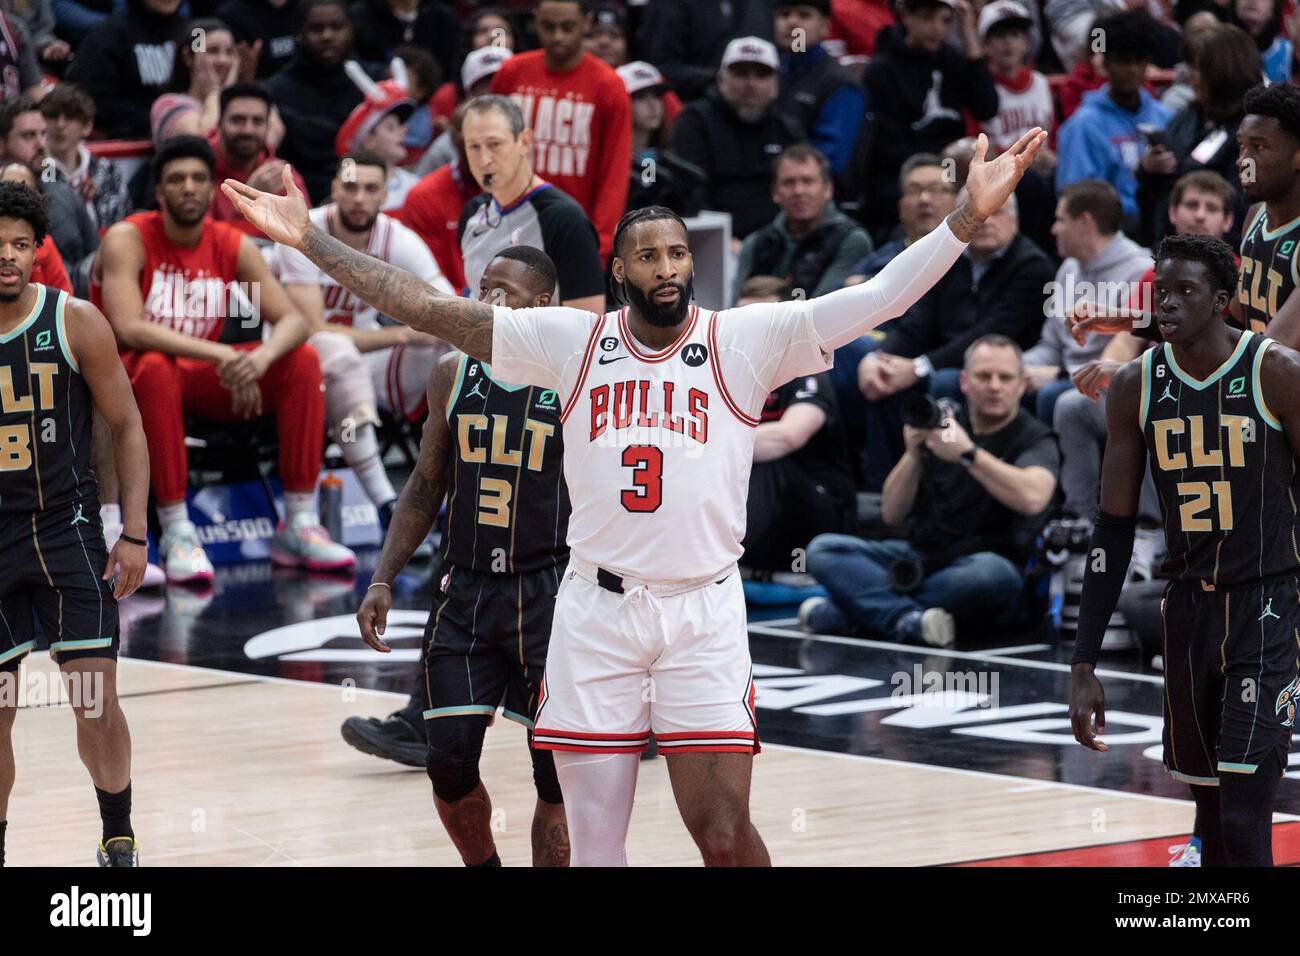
x=873 y=753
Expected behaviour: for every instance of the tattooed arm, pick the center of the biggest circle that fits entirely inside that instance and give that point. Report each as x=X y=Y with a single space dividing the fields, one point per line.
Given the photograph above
x=464 y=323
x=417 y=507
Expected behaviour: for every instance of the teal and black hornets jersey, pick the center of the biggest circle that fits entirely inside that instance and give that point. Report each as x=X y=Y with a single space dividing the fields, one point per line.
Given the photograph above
x=1268 y=273
x=45 y=415
x=507 y=503
x=1223 y=467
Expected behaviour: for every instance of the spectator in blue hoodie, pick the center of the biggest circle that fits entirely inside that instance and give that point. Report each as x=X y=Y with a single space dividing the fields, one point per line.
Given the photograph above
x=815 y=89
x=1103 y=139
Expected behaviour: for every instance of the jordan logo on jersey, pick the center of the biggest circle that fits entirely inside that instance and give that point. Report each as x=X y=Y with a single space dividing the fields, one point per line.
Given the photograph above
x=649 y=405
x=78 y=517
x=1167 y=394
x=1269 y=612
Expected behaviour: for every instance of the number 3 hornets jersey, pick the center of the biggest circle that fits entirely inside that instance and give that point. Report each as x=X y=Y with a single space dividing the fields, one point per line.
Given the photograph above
x=658 y=445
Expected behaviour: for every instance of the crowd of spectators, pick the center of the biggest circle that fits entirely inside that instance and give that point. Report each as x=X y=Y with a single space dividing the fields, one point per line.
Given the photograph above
x=833 y=133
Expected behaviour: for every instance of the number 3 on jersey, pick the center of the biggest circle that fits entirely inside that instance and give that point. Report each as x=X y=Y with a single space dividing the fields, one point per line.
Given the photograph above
x=648 y=474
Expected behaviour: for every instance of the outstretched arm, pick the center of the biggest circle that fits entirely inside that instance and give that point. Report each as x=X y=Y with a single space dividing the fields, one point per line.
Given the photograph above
x=848 y=313
x=464 y=323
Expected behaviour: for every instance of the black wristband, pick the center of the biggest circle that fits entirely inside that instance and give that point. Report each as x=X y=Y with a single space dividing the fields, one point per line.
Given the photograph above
x=130 y=540
x=1109 y=552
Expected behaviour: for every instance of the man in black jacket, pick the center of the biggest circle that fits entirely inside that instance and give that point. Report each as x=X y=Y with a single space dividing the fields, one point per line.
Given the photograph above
x=686 y=38
x=917 y=87
x=384 y=25
x=314 y=94
x=997 y=286
x=735 y=133
x=272 y=22
x=128 y=63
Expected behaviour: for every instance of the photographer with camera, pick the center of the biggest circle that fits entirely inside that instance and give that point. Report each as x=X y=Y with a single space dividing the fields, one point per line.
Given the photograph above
x=971 y=493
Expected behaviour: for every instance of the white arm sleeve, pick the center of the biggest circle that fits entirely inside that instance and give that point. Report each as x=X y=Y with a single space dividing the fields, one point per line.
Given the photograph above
x=541 y=347
x=841 y=316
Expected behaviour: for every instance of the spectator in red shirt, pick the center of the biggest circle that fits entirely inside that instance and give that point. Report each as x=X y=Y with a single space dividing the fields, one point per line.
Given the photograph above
x=433 y=207
x=240 y=144
x=857 y=22
x=579 y=112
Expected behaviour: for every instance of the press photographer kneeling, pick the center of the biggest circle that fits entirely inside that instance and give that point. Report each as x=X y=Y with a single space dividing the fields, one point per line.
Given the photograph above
x=970 y=496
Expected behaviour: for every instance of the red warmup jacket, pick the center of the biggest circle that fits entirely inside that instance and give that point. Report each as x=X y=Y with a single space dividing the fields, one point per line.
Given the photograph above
x=48 y=268
x=582 y=132
x=432 y=211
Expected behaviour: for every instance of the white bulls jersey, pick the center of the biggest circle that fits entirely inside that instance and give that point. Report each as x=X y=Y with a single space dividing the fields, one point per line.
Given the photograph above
x=658 y=445
x=390 y=242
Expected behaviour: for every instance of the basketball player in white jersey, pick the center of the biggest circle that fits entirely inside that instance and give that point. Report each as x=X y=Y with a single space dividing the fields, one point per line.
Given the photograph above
x=364 y=364
x=660 y=402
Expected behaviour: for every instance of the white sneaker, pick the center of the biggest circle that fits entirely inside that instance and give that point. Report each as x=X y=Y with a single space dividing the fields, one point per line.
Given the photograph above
x=1187 y=854
x=153 y=575
x=302 y=543
x=938 y=628
x=182 y=555
x=1148 y=545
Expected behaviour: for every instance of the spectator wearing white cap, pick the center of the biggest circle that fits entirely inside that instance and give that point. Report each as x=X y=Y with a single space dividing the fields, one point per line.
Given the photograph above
x=475 y=80
x=1024 y=98
x=686 y=38
x=659 y=176
x=815 y=89
x=918 y=88
x=735 y=133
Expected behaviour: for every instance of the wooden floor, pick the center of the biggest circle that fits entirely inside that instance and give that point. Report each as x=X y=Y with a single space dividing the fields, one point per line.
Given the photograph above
x=237 y=770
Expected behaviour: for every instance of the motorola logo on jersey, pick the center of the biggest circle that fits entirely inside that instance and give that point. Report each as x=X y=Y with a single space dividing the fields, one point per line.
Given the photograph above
x=695 y=355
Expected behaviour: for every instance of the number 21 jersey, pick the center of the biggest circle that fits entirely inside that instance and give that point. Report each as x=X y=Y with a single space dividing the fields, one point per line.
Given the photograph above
x=1223 y=467
x=658 y=445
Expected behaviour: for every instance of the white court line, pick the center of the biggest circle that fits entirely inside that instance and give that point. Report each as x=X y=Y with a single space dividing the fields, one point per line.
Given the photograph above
x=1023 y=649
x=770 y=631
x=982 y=774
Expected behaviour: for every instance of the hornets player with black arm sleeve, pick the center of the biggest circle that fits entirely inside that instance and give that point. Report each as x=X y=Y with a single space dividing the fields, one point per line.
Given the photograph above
x=1217 y=410
x=495 y=449
x=59 y=365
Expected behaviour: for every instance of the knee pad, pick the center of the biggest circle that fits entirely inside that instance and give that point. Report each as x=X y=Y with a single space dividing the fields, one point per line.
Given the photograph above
x=349 y=391
x=455 y=744
x=545 y=779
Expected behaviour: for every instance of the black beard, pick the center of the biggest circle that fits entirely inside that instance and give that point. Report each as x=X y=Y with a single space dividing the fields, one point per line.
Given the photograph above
x=6 y=298
x=365 y=224
x=661 y=316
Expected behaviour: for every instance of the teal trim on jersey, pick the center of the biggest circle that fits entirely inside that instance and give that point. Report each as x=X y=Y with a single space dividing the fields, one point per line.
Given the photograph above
x=18 y=651
x=1280 y=230
x=1144 y=404
x=517 y=718
x=465 y=711
x=1257 y=387
x=487 y=370
x=1218 y=373
x=60 y=324
x=455 y=386
x=31 y=316
x=1238 y=767
x=86 y=645
x=1188 y=778
x=1254 y=220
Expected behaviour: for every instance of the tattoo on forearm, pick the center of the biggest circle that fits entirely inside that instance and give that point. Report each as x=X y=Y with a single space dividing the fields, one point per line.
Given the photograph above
x=464 y=323
x=963 y=221
x=413 y=516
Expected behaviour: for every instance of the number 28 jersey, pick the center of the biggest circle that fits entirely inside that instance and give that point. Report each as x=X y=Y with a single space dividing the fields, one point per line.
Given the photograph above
x=658 y=445
x=1223 y=467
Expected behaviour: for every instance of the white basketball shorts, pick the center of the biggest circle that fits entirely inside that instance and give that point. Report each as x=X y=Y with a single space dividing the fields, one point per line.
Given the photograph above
x=669 y=657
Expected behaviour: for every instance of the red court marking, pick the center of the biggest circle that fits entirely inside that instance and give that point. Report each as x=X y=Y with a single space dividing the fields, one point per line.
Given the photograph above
x=1155 y=852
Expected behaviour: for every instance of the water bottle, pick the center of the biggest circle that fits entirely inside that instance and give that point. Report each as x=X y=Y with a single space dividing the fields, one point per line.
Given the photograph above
x=331 y=506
